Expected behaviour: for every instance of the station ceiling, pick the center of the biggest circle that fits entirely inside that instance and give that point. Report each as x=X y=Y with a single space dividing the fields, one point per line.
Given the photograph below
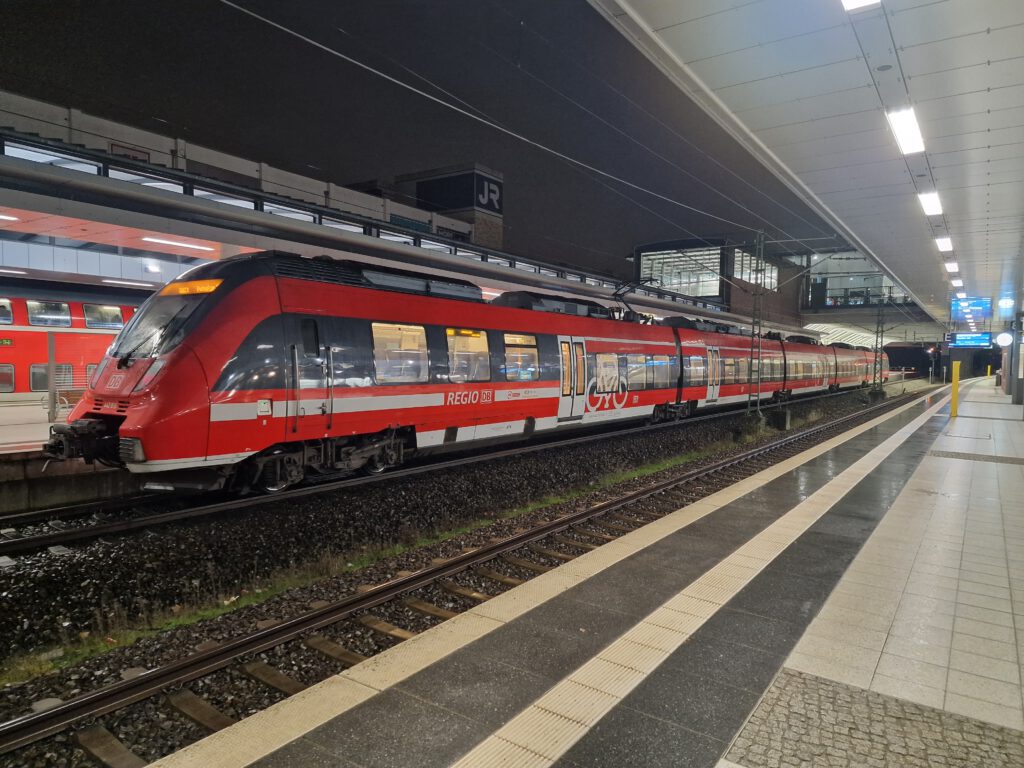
x=806 y=85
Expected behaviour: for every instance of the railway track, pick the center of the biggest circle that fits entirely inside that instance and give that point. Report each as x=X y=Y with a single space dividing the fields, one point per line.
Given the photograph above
x=27 y=532
x=501 y=564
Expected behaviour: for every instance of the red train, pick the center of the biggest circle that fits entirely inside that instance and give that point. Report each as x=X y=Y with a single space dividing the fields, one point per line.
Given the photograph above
x=258 y=370
x=83 y=321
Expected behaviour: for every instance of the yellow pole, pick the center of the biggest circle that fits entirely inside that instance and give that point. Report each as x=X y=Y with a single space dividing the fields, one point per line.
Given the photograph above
x=956 y=388
x=989 y=371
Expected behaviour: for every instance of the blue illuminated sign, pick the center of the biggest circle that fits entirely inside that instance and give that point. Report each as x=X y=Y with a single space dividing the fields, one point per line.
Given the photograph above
x=971 y=340
x=977 y=308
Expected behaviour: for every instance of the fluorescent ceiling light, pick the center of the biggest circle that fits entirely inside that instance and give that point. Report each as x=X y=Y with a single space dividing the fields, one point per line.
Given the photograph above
x=853 y=5
x=129 y=282
x=1005 y=303
x=904 y=124
x=961 y=295
x=944 y=243
x=14 y=271
x=952 y=266
x=957 y=283
x=178 y=244
x=5 y=217
x=930 y=203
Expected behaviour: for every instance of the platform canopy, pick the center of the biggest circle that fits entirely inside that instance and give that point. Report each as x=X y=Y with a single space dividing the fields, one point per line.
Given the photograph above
x=807 y=86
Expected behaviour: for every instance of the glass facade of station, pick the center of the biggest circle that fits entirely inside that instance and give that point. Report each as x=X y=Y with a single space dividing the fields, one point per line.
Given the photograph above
x=699 y=271
x=850 y=280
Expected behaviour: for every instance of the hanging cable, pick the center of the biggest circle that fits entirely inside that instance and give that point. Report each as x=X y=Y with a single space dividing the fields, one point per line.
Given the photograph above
x=485 y=121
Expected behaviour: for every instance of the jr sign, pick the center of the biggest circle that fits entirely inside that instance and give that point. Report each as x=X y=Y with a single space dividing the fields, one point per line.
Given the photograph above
x=488 y=194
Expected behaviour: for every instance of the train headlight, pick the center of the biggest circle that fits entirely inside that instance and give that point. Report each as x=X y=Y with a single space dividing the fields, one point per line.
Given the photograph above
x=149 y=375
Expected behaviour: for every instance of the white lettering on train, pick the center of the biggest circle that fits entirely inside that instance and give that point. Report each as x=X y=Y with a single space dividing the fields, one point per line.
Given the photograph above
x=605 y=401
x=469 y=397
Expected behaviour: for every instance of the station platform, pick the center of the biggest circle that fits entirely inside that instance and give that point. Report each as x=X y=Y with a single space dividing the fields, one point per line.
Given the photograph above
x=859 y=604
x=23 y=427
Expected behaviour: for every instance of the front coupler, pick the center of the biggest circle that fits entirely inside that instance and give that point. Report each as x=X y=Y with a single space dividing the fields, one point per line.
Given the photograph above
x=87 y=439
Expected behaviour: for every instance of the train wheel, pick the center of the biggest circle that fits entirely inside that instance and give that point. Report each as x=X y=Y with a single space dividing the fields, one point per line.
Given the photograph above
x=374 y=466
x=276 y=475
x=389 y=455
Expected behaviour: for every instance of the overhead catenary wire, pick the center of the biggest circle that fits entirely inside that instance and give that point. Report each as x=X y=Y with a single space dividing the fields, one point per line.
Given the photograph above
x=488 y=121
x=482 y=117
x=652 y=151
x=482 y=120
x=666 y=126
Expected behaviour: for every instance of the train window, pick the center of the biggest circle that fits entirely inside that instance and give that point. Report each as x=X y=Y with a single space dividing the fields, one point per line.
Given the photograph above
x=6 y=378
x=662 y=374
x=399 y=353
x=607 y=372
x=53 y=313
x=636 y=371
x=468 y=356
x=310 y=338
x=522 y=363
x=38 y=381
x=6 y=315
x=566 y=369
x=581 y=368
x=696 y=371
x=103 y=316
x=311 y=367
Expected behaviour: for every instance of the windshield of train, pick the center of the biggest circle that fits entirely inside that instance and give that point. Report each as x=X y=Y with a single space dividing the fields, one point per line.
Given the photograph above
x=157 y=327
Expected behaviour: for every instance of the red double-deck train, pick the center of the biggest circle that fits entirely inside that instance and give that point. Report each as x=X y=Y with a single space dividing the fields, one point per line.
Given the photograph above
x=83 y=322
x=253 y=372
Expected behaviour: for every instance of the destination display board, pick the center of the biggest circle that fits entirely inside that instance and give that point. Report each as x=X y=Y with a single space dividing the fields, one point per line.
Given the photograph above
x=971 y=340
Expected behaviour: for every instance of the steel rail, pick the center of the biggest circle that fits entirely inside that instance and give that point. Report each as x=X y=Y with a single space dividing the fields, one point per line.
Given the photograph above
x=71 y=511
x=32 y=727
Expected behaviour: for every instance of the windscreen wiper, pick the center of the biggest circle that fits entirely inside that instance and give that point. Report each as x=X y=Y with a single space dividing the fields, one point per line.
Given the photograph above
x=125 y=359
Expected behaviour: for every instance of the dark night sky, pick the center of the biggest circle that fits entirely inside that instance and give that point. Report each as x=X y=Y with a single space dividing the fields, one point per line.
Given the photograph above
x=208 y=73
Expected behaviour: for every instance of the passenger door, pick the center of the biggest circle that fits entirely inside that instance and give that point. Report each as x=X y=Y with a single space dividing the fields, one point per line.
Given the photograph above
x=714 y=373
x=573 y=357
x=313 y=390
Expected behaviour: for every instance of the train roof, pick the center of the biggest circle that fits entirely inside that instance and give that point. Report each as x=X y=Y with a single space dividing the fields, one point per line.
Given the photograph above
x=679 y=321
x=541 y=302
x=324 y=269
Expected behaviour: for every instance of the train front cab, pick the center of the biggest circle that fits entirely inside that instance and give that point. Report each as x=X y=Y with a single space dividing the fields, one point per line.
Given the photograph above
x=147 y=405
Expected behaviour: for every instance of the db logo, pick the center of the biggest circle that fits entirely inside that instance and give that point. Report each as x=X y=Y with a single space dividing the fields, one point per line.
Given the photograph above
x=116 y=381
x=487 y=396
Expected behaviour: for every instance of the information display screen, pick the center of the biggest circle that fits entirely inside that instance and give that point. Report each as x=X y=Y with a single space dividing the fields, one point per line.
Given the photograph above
x=971 y=340
x=976 y=308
